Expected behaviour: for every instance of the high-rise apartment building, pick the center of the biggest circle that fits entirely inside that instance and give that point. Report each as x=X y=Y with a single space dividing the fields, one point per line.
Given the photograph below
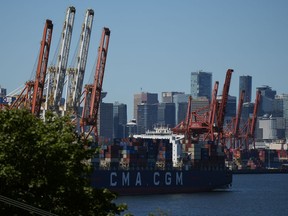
x=245 y=83
x=144 y=97
x=201 y=84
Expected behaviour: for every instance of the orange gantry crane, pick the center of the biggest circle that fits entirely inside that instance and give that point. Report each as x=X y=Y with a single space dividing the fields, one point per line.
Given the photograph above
x=92 y=92
x=231 y=130
x=248 y=131
x=206 y=123
x=223 y=104
x=32 y=94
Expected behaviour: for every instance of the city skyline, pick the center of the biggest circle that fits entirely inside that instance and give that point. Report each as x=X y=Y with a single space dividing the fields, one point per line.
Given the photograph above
x=149 y=53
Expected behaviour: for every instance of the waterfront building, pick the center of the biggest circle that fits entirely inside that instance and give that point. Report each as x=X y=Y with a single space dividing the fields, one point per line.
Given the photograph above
x=245 y=83
x=270 y=128
x=201 y=84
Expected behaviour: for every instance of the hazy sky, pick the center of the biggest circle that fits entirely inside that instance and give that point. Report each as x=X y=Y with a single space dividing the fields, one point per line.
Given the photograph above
x=155 y=44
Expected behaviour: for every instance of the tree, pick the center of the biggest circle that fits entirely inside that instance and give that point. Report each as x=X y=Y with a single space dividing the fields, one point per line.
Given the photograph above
x=45 y=165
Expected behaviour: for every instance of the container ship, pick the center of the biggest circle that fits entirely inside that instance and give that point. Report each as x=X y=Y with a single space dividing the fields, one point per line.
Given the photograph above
x=160 y=162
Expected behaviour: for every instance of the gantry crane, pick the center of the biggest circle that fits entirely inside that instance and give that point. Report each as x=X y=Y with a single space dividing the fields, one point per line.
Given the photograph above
x=212 y=113
x=251 y=132
x=32 y=94
x=75 y=75
x=231 y=130
x=248 y=130
x=206 y=123
x=56 y=73
x=223 y=104
x=92 y=93
x=238 y=118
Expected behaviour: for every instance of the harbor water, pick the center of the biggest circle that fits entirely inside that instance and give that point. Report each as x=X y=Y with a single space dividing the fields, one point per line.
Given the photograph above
x=250 y=194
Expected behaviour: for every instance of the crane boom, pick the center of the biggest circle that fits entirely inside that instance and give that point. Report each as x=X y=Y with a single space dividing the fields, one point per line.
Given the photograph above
x=238 y=115
x=213 y=110
x=56 y=75
x=93 y=92
x=75 y=76
x=41 y=68
x=255 y=111
x=225 y=94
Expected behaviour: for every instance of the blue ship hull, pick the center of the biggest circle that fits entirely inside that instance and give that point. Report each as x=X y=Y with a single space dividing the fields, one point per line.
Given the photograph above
x=139 y=182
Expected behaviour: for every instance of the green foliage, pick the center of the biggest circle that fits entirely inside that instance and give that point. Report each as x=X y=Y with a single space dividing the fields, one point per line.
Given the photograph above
x=44 y=164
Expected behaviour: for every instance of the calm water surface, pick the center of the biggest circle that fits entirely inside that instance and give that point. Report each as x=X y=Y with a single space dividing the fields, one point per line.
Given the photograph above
x=258 y=194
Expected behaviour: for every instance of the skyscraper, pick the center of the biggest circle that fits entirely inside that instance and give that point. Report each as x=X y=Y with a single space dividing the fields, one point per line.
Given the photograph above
x=144 y=97
x=245 y=83
x=201 y=84
x=166 y=114
x=120 y=120
x=106 y=121
x=167 y=97
x=266 y=105
x=146 y=117
x=181 y=101
x=3 y=92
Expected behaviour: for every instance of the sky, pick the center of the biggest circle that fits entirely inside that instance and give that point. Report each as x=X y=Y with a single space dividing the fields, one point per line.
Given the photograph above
x=155 y=45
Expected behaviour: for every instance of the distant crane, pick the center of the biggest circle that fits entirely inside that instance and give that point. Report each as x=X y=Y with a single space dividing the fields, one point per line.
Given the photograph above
x=92 y=93
x=206 y=123
x=231 y=131
x=56 y=73
x=252 y=122
x=247 y=132
x=75 y=75
x=223 y=104
x=32 y=94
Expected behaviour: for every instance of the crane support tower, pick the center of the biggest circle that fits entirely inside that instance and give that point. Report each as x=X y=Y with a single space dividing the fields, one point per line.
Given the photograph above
x=75 y=75
x=32 y=95
x=56 y=73
x=92 y=93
